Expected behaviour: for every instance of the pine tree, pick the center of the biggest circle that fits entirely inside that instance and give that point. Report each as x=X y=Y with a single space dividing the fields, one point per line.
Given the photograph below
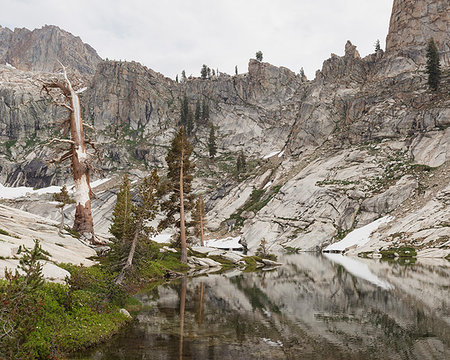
x=259 y=56
x=176 y=78
x=122 y=221
x=241 y=164
x=433 y=65
x=189 y=122
x=198 y=112
x=204 y=72
x=212 y=146
x=302 y=73
x=63 y=198
x=205 y=111
x=184 y=110
x=199 y=219
x=377 y=46
x=236 y=70
x=179 y=187
x=143 y=213
x=183 y=76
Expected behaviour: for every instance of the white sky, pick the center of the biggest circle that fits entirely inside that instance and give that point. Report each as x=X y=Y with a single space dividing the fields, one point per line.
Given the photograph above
x=171 y=35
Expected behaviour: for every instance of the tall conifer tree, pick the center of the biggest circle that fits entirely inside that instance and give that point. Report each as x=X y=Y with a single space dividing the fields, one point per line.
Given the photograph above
x=180 y=169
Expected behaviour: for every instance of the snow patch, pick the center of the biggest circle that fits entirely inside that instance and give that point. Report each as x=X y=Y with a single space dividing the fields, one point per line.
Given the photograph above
x=358 y=269
x=10 y=66
x=81 y=90
x=358 y=237
x=162 y=238
x=99 y=182
x=20 y=191
x=273 y=153
x=281 y=154
x=267 y=185
x=272 y=343
x=227 y=243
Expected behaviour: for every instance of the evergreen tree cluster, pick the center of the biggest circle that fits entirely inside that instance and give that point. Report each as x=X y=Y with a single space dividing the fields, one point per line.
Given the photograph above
x=189 y=119
x=207 y=73
x=131 y=220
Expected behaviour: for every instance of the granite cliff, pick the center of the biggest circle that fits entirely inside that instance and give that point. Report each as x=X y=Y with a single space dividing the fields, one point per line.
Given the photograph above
x=365 y=138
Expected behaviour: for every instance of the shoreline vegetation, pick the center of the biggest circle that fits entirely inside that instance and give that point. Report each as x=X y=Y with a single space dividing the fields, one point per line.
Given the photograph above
x=45 y=320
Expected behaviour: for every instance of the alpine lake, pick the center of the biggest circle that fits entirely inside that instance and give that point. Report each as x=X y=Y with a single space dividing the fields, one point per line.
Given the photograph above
x=312 y=307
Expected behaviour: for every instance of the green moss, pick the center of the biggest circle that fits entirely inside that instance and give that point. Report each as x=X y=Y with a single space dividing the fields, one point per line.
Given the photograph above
x=402 y=255
x=365 y=254
x=4 y=232
x=220 y=259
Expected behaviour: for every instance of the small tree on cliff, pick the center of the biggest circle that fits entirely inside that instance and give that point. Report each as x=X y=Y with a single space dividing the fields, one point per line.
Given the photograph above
x=179 y=186
x=205 y=111
x=81 y=159
x=199 y=219
x=204 y=72
x=377 y=46
x=212 y=146
x=259 y=56
x=63 y=198
x=433 y=65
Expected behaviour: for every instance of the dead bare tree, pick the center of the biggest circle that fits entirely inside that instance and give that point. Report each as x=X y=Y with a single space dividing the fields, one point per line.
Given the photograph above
x=81 y=159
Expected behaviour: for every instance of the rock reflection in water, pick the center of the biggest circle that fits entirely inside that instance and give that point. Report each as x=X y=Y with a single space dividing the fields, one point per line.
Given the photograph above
x=310 y=308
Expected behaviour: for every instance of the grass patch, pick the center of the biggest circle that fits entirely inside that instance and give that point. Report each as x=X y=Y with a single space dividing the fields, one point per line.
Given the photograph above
x=4 y=232
x=258 y=199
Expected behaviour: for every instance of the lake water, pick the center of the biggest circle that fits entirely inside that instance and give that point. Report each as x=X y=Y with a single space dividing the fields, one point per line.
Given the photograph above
x=312 y=307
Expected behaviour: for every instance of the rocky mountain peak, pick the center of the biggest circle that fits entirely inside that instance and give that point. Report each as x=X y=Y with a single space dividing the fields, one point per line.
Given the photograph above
x=413 y=23
x=40 y=50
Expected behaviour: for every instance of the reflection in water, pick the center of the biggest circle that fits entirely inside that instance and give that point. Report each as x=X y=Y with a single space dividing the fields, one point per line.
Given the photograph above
x=310 y=308
x=182 y=307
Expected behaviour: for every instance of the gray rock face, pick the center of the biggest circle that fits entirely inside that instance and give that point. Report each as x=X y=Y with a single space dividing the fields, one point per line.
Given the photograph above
x=40 y=50
x=413 y=23
x=348 y=138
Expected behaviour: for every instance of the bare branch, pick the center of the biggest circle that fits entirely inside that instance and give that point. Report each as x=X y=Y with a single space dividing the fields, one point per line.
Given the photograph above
x=89 y=127
x=63 y=157
x=66 y=141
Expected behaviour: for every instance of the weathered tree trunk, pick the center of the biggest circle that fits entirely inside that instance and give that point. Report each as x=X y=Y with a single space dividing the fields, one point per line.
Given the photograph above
x=84 y=223
x=182 y=221
x=130 y=255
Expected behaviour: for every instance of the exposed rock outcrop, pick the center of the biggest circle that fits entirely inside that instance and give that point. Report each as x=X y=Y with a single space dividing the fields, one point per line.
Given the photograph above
x=40 y=50
x=413 y=23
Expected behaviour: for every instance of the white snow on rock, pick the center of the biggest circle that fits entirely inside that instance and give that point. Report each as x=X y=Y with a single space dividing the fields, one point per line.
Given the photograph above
x=281 y=154
x=81 y=90
x=273 y=153
x=9 y=65
x=21 y=191
x=358 y=269
x=162 y=238
x=227 y=243
x=358 y=237
x=267 y=185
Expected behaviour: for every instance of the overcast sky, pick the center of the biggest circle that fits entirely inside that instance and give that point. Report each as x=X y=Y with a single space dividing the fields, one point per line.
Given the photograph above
x=171 y=35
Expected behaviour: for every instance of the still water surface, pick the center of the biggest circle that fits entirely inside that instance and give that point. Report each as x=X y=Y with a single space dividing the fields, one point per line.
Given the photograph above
x=312 y=307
